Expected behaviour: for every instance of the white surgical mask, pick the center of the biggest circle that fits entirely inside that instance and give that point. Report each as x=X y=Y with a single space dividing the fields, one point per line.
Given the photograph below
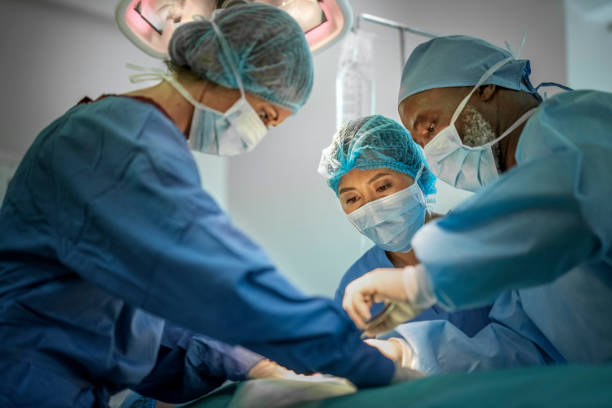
x=392 y=221
x=461 y=166
x=234 y=132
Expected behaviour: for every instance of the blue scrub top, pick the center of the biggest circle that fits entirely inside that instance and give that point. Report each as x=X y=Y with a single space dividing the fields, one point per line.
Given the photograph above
x=479 y=339
x=108 y=240
x=541 y=234
x=469 y=321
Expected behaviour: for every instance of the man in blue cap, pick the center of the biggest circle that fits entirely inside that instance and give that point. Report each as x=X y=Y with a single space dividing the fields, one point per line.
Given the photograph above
x=536 y=238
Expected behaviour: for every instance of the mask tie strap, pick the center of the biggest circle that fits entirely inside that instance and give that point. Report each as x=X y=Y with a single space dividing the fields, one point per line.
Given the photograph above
x=154 y=74
x=228 y=54
x=516 y=124
x=418 y=175
x=484 y=77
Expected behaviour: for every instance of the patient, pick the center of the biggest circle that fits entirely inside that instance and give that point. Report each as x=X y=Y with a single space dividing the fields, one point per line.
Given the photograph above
x=382 y=180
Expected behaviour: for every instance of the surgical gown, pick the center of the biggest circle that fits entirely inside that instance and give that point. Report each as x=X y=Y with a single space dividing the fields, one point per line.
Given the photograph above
x=541 y=235
x=468 y=321
x=477 y=339
x=107 y=237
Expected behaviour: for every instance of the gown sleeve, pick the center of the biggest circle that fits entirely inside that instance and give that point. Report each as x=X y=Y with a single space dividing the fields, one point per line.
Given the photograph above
x=545 y=216
x=189 y=366
x=132 y=218
x=510 y=340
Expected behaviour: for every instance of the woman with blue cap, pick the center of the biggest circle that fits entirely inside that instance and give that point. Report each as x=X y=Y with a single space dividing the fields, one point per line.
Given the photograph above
x=381 y=179
x=112 y=256
x=536 y=238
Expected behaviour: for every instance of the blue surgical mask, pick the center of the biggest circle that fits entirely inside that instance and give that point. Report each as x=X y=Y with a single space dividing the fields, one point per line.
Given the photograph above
x=392 y=221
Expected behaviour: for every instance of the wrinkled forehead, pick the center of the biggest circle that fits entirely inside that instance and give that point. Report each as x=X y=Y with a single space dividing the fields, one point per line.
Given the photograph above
x=431 y=100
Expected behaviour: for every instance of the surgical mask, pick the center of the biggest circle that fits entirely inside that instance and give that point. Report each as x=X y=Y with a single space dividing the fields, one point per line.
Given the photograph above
x=392 y=221
x=234 y=132
x=465 y=167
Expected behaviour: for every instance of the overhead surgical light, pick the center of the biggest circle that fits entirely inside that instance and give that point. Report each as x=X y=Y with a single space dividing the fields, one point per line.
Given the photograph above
x=149 y=24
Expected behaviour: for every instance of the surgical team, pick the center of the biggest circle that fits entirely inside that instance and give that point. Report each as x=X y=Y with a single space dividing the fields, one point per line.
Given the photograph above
x=114 y=263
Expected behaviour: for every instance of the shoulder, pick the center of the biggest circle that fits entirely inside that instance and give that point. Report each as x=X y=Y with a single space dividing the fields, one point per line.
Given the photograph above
x=567 y=120
x=123 y=136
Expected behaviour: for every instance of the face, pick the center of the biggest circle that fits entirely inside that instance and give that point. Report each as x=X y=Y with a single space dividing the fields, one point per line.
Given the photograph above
x=221 y=98
x=269 y=113
x=359 y=187
x=426 y=113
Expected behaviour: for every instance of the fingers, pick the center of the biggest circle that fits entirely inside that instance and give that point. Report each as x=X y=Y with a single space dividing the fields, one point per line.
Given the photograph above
x=380 y=328
x=387 y=348
x=357 y=301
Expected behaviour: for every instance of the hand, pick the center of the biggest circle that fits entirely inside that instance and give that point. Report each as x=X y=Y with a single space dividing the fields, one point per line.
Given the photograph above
x=269 y=369
x=390 y=349
x=395 y=349
x=381 y=284
x=397 y=314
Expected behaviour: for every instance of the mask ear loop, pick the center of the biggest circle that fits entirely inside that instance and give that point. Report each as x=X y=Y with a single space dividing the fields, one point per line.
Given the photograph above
x=154 y=74
x=484 y=77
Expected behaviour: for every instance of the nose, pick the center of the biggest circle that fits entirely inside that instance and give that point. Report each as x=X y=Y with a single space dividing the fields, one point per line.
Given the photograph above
x=420 y=139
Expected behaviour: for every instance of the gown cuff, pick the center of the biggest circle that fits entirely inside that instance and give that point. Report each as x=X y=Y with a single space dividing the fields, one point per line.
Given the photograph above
x=418 y=287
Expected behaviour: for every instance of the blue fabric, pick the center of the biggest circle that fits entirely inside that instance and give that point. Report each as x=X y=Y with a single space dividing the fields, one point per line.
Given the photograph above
x=485 y=338
x=543 y=229
x=459 y=60
x=468 y=321
x=106 y=234
x=189 y=365
x=375 y=142
x=266 y=46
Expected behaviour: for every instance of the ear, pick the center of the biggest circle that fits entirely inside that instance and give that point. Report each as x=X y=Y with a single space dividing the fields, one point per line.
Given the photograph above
x=487 y=92
x=268 y=113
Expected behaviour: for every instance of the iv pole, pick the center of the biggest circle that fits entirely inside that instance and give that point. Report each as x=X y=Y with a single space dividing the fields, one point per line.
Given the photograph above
x=398 y=26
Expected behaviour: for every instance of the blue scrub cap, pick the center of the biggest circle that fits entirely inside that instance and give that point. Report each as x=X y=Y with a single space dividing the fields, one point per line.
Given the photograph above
x=374 y=142
x=267 y=46
x=459 y=60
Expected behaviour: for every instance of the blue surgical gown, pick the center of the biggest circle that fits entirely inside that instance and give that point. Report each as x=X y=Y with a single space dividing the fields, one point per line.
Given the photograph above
x=476 y=339
x=541 y=235
x=468 y=321
x=108 y=238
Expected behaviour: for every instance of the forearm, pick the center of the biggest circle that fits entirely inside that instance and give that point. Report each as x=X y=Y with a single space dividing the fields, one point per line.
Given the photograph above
x=189 y=366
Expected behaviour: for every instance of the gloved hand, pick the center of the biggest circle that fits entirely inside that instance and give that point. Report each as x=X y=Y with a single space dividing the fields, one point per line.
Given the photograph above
x=269 y=369
x=395 y=349
x=409 y=289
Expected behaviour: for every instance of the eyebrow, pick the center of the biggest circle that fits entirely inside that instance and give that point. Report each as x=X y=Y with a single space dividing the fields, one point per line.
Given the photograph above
x=376 y=177
x=345 y=189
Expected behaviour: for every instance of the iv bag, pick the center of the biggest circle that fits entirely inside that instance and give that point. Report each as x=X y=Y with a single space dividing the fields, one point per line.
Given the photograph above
x=355 y=91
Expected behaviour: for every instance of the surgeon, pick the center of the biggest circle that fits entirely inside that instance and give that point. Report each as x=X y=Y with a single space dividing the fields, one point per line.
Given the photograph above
x=113 y=260
x=382 y=180
x=536 y=237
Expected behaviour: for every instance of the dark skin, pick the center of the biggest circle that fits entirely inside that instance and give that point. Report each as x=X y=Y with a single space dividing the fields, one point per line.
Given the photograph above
x=426 y=113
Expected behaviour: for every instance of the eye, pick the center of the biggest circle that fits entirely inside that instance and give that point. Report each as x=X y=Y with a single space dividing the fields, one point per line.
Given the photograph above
x=264 y=116
x=351 y=200
x=431 y=127
x=383 y=187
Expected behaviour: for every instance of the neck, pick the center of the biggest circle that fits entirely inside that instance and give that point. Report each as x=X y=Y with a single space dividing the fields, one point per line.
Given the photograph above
x=521 y=103
x=178 y=108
